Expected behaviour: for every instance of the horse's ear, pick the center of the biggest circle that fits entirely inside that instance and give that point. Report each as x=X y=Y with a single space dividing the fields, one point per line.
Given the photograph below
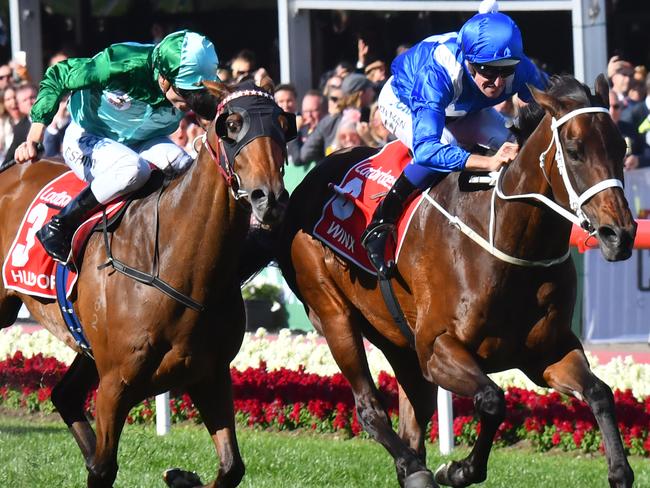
x=601 y=87
x=216 y=88
x=266 y=84
x=546 y=101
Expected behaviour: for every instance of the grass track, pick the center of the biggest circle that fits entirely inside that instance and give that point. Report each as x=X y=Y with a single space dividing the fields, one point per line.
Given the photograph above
x=37 y=453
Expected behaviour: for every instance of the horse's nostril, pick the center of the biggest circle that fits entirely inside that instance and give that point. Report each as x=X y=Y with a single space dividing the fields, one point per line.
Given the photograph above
x=257 y=194
x=607 y=234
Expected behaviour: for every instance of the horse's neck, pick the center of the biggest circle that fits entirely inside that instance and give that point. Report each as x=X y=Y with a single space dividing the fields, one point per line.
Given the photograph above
x=208 y=223
x=532 y=225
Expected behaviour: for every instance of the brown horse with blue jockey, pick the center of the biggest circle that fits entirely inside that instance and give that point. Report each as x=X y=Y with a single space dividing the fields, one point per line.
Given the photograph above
x=495 y=291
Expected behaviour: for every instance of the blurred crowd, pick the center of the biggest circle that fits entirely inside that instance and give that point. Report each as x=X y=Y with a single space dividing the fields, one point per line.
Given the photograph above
x=340 y=112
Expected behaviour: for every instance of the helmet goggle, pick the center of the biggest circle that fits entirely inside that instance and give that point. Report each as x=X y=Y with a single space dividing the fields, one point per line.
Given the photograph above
x=492 y=72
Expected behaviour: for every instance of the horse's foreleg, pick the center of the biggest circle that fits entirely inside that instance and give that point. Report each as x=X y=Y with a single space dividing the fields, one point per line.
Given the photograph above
x=69 y=398
x=453 y=368
x=111 y=409
x=572 y=375
x=213 y=399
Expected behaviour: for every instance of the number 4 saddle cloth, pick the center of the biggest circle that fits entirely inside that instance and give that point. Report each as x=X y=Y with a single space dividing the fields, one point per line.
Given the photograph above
x=348 y=212
x=27 y=267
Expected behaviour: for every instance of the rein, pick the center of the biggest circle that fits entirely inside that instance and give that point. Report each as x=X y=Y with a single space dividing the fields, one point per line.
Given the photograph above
x=577 y=216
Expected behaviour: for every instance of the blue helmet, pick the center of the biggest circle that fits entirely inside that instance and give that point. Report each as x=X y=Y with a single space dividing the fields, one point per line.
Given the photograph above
x=491 y=38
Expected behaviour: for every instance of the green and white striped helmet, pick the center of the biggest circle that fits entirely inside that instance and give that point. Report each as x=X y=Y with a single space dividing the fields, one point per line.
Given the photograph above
x=186 y=59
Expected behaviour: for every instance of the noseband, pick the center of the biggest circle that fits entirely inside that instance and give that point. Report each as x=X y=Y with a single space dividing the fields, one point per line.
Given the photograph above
x=226 y=164
x=576 y=215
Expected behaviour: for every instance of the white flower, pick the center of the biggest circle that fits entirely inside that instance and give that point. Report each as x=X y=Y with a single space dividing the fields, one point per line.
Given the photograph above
x=286 y=350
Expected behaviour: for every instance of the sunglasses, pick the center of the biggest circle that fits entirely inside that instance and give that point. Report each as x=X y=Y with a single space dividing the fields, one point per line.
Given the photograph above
x=334 y=99
x=494 y=72
x=615 y=106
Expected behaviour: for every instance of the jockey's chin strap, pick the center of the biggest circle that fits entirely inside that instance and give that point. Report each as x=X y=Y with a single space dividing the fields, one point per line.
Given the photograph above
x=576 y=215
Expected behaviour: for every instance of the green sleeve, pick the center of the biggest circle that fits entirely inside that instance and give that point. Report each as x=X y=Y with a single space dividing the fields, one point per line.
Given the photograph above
x=126 y=64
x=67 y=76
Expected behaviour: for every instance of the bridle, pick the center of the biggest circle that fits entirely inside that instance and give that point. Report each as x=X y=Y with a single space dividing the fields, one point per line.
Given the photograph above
x=576 y=214
x=225 y=165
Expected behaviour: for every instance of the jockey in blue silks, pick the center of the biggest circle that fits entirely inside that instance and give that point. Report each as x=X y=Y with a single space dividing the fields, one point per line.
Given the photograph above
x=439 y=100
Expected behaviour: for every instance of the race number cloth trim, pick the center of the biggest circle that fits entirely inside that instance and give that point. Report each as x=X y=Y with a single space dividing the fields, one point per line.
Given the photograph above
x=28 y=268
x=346 y=215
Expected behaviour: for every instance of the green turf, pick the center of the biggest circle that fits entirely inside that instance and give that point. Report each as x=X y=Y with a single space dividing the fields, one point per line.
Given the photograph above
x=36 y=453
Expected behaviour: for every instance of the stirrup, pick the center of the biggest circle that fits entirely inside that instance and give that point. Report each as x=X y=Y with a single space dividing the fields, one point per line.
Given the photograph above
x=374 y=242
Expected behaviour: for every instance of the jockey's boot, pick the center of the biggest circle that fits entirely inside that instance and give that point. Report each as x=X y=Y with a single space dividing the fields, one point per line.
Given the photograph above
x=384 y=221
x=56 y=235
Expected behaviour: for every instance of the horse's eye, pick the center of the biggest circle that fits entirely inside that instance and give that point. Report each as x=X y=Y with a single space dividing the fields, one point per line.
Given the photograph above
x=234 y=125
x=573 y=150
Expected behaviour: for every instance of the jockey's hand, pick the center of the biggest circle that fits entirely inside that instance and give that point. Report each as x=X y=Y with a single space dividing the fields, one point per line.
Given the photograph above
x=28 y=150
x=504 y=155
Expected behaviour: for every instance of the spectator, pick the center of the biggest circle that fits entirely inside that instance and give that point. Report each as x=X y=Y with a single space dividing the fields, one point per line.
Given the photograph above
x=640 y=73
x=359 y=93
x=334 y=101
x=374 y=133
x=53 y=138
x=620 y=73
x=242 y=65
x=632 y=122
x=285 y=96
x=615 y=109
x=311 y=111
x=25 y=98
x=636 y=93
x=332 y=83
x=346 y=130
x=6 y=76
x=224 y=73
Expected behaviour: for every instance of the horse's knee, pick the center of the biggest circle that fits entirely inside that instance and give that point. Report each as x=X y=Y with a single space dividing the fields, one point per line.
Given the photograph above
x=370 y=413
x=490 y=402
x=599 y=396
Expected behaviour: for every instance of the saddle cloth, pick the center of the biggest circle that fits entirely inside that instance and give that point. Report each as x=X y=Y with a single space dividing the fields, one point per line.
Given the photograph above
x=346 y=215
x=27 y=267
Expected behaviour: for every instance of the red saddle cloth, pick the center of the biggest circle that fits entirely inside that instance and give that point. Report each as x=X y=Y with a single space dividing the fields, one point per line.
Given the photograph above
x=27 y=267
x=348 y=212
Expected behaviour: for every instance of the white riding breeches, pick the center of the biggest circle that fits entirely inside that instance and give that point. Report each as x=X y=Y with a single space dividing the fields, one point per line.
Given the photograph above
x=485 y=127
x=114 y=169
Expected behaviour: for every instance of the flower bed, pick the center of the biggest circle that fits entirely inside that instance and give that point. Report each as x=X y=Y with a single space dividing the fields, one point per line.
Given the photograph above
x=288 y=399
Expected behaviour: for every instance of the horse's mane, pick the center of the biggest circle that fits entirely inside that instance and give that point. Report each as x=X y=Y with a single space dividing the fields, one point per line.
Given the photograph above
x=561 y=87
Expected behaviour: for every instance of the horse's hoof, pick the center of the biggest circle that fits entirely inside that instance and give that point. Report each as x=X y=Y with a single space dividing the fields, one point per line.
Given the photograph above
x=177 y=478
x=442 y=474
x=420 y=479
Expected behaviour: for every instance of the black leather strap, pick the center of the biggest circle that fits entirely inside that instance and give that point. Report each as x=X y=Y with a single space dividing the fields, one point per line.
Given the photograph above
x=150 y=279
x=395 y=310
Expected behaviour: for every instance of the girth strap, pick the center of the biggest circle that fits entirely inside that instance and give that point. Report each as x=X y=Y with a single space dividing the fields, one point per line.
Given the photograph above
x=395 y=309
x=149 y=279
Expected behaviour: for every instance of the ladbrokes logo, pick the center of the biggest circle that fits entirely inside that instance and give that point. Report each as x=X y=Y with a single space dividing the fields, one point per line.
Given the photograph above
x=58 y=199
x=383 y=178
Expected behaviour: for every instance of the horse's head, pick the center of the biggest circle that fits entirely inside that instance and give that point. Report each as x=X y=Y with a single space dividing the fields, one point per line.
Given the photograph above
x=248 y=139
x=588 y=172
